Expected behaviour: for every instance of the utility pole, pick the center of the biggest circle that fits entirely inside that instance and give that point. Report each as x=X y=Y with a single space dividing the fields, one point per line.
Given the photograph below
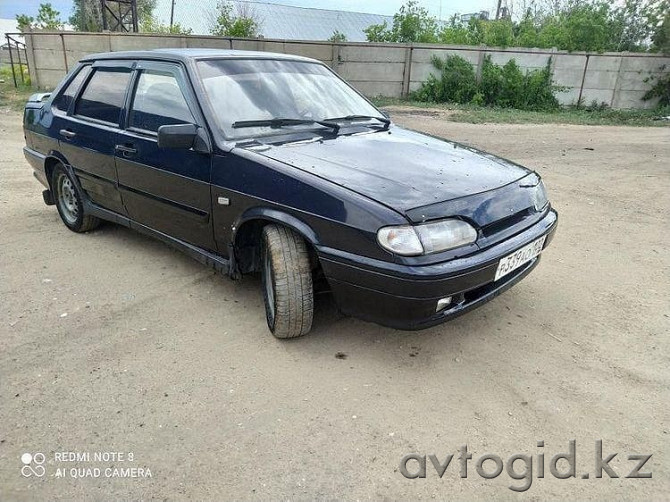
x=104 y=17
x=498 y=9
x=172 y=15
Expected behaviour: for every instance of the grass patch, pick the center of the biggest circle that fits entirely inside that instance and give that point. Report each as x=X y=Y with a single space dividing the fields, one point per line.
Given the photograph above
x=481 y=115
x=14 y=98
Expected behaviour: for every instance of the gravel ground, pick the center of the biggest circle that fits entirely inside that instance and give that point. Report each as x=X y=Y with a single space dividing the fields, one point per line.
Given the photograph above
x=113 y=342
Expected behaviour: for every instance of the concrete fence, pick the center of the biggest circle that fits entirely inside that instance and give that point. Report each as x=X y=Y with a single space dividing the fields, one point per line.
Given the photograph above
x=392 y=70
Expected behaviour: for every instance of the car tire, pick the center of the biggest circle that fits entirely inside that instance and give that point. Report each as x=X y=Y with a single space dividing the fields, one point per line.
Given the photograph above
x=287 y=282
x=70 y=203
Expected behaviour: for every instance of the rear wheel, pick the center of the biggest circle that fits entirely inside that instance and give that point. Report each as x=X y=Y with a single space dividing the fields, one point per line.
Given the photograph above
x=70 y=203
x=287 y=282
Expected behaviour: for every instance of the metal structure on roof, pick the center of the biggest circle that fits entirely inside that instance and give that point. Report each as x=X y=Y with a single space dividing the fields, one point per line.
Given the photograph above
x=275 y=20
x=119 y=15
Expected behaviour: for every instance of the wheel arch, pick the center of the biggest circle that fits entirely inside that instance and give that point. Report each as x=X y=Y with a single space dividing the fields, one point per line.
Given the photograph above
x=52 y=159
x=246 y=236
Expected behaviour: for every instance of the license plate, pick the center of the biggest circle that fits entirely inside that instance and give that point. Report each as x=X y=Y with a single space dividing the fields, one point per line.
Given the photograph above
x=519 y=257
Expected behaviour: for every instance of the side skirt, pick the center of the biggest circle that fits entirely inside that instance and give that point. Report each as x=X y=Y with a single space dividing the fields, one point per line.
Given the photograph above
x=213 y=260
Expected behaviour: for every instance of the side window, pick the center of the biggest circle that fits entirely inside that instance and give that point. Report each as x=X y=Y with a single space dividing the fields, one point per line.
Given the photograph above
x=63 y=100
x=158 y=101
x=104 y=95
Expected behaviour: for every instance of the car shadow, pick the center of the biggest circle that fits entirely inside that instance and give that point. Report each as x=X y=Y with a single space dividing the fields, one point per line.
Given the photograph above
x=332 y=332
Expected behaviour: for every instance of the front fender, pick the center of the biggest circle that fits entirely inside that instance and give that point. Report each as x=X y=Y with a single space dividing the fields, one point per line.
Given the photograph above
x=277 y=216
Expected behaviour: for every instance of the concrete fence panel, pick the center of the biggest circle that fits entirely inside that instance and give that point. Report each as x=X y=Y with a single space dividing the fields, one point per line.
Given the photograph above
x=322 y=52
x=526 y=61
x=617 y=79
x=208 y=43
x=371 y=54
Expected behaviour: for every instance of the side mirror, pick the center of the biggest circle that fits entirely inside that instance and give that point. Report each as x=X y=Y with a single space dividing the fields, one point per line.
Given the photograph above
x=178 y=136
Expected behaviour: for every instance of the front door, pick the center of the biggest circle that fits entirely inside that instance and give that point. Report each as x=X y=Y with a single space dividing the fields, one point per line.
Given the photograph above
x=165 y=189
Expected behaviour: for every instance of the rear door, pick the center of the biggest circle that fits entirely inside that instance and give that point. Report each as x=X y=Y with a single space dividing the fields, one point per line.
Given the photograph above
x=165 y=189
x=88 y=130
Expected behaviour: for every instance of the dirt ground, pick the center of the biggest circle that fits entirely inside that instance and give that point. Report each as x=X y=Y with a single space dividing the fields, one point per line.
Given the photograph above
x=113 y=342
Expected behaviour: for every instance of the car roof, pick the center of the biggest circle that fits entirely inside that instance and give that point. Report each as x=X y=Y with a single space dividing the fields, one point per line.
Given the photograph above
x=184 y=55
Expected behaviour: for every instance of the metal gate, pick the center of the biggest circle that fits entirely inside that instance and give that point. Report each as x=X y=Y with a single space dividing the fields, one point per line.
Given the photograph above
x=15 y=48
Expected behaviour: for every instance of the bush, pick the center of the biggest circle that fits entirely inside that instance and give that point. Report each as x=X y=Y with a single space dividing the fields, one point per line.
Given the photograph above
x=660 y=90
x=457 y=82
x=505 y=86
x=539 y=90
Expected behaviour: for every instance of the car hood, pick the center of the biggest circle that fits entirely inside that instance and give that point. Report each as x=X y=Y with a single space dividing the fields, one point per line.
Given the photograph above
x=399 y=168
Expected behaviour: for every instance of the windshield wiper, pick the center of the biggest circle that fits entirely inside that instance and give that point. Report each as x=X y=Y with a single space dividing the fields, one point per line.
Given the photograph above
x=383 y=120
x=281 y=122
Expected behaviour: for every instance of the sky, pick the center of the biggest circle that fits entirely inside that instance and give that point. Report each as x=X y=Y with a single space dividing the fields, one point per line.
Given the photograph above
x=10 y=8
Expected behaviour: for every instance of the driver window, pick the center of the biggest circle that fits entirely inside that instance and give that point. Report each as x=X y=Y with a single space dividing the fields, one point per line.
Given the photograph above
x=158 y=101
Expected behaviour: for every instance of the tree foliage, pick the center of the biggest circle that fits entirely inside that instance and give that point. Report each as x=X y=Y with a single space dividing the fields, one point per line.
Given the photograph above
x=47 y=18
x=412 y=23
x=153 y=25
x=571 y=25
x=229 y=22
x=660 y=21
x=337 y=36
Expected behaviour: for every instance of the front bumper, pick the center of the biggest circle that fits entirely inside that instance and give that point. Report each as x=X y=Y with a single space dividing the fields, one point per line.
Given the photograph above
x=405 y=297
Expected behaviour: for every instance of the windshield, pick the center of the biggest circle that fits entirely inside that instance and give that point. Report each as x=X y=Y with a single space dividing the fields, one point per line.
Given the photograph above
x=242 y=90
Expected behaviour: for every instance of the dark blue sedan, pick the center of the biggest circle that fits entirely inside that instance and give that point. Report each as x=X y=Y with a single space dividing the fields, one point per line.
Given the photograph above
x=267 y=162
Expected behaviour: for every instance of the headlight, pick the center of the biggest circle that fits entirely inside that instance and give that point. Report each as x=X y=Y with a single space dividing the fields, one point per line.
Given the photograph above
x=433 y=237
x=445 y=234
x=400 y=240
x=539 y=196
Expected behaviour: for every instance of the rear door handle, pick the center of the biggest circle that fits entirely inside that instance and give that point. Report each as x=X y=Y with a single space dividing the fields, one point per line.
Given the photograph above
x=67 y=134
x=126 y=150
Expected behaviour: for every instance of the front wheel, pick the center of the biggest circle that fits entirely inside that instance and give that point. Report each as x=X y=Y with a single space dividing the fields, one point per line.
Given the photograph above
x=287 y=282
x=70 y=203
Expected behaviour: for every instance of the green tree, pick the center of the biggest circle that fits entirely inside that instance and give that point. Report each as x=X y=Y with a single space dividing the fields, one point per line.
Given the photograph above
x=526 y=31
x=378 y=33
x=242 y=24
x=591 y=25
x=572 y=25
x=585 y=28
x=455 y=32
x=499 y=33
x=629 y=27
x=48 y=18
x=337 y=36
x=152 y=25
x=411 y=23
x=25 y=22
x=87 y=14
x=659 y=20
x=661 y=36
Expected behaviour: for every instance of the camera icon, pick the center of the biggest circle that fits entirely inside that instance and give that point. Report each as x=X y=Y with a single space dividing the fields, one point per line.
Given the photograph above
x=32 y=465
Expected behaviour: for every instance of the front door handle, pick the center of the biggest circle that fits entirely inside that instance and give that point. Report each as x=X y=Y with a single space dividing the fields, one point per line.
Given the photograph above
x=67 y=134
x=126 y=150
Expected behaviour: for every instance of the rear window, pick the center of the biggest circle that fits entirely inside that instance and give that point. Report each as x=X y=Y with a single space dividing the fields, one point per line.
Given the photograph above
x=63 y=101
x=104 y=95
